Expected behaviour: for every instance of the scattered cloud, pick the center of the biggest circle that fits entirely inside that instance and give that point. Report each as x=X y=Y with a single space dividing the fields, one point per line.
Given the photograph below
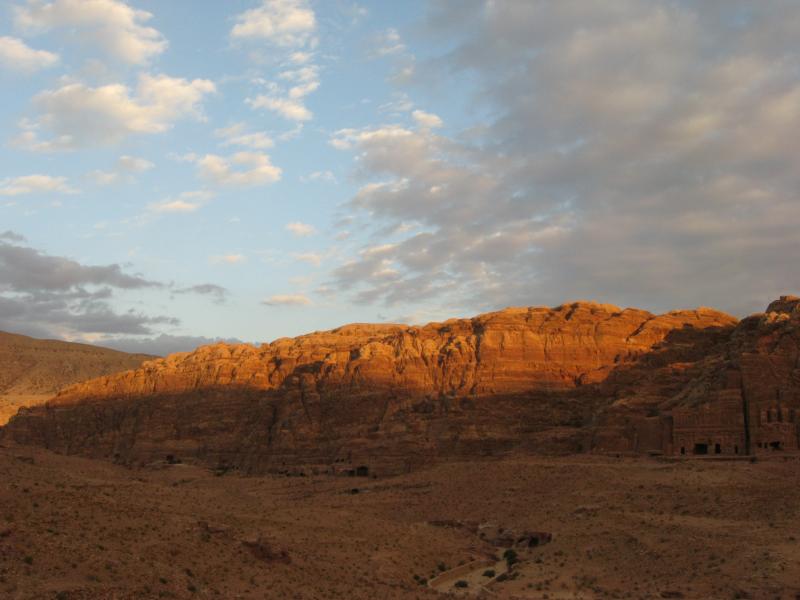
x=400 y=103
x=287 y=300
x=124 y=170
x=301 y=229
x=287 y=23
x=187 y=202
x=15 y=55
x=326 y=176
x=388 y=43
x=11 y=236
x=132 y=164
x=292 y=109
x=102 y=178
x=244 y=169
x=290 y=25
x=312 y=258
x=228 y=259
x=426 y=120
x=35 y=184
x=54 y=296
x=217 y=292
x=237 y=135
x=78 y=115
x=113 y=26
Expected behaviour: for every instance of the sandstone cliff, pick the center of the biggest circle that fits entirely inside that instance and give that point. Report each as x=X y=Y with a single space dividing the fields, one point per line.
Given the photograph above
x=388 y=396
x=507 y=352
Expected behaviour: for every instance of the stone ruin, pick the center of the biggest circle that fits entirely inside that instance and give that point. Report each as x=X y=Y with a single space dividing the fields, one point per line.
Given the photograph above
x=732 y=427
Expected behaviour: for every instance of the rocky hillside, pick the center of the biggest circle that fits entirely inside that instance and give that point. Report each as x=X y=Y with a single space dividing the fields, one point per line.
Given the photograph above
x=388 y=397
x=32 y=371
x=512 y=351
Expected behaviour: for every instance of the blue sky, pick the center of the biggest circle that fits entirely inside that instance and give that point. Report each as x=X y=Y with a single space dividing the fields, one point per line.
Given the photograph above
x=174 y=172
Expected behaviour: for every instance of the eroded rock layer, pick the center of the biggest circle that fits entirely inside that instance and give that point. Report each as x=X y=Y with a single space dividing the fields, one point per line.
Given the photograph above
x=576 y=377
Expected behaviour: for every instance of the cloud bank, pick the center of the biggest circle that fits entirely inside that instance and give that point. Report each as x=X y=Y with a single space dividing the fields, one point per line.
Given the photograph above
x=642 y=153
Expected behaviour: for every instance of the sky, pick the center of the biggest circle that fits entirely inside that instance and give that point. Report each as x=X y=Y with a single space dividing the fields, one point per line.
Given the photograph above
x=173 y=173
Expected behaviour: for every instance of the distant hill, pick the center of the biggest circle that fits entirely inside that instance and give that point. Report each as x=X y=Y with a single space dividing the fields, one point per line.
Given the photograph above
x=32 y=371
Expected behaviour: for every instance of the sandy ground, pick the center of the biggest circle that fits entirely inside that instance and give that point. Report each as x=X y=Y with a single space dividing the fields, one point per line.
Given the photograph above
x=72 y=528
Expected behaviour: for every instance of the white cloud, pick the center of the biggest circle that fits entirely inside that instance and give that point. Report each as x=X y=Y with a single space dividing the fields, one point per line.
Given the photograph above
x=300 y=57
x=228 y=259
x=287 y=300
x=237 y=135
x=301 y=229
x=400 y=103
x=102 y=178
x=174 y=206
x=311 y=258
x=115 y=27
x=186 y=202
x=388 y=43
x=289 y=24
x=34 y=184
x=15 y=55
x=345 y=139
x=305 y=79
x=326 y=176
x=426 y=120
x=133 y=164
x=124 y=170
x=79 y=115
x=288 y=108
x=280 y=22
x=239 y=169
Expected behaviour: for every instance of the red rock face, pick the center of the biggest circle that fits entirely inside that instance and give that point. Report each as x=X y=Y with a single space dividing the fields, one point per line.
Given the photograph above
x=573 y=378
x=511 y=351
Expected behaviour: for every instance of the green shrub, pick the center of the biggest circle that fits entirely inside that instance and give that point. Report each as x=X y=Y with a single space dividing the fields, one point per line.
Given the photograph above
x=461 y=584
x=488 y=573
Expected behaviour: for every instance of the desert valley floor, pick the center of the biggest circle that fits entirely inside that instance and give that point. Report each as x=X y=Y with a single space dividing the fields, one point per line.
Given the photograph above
x=72 y=528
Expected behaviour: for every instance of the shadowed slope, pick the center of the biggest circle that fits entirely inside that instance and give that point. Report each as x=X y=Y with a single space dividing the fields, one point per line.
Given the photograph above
x=32 y=371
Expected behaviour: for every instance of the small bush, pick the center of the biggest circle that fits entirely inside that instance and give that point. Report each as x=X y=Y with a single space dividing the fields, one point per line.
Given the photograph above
x=510 y=556
x=461 y=584
x=442 y=567
x=488 y=573
x=28 y=560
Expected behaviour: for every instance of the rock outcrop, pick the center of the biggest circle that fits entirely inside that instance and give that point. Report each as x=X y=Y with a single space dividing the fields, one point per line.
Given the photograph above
x=507 y=352
x=384 y=397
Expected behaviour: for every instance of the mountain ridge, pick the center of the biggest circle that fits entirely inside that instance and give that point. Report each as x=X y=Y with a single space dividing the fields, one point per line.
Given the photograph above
x=581 y=376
